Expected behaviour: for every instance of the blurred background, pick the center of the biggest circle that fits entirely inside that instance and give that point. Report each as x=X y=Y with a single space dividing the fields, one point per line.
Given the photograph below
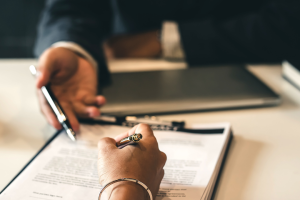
x=18 y=19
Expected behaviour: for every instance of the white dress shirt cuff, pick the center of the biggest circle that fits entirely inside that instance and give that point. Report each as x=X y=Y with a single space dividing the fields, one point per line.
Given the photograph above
x=77 y=49
x=171 y=43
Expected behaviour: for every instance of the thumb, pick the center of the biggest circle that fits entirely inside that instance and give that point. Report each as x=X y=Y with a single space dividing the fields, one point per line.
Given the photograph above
x=44 y=71
x=145 y=130
x=43 y=78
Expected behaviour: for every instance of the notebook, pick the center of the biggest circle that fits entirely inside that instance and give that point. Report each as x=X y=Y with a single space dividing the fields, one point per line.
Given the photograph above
x=67 y=170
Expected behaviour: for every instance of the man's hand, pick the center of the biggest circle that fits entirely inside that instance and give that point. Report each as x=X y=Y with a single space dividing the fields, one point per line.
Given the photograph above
x=74 y=83
x=143 y=161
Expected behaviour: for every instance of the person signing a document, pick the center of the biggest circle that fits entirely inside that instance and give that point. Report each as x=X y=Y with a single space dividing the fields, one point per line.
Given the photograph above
x=143 y=162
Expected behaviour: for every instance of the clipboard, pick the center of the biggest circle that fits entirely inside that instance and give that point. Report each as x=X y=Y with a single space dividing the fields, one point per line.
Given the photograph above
x=130 y=124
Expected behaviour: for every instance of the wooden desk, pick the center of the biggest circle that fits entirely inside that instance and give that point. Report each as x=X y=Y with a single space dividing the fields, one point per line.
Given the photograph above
x=263 y=162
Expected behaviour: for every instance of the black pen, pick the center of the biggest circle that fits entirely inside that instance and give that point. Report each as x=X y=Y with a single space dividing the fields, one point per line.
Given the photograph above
x=133 y=139
x=57 y=109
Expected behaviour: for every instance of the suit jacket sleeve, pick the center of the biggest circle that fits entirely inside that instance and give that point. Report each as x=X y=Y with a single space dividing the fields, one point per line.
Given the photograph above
x=85 y=22
x=269 y=35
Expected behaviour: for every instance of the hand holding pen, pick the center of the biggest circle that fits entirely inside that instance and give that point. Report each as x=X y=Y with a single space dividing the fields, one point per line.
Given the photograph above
x=143 y=161
x=73 y=82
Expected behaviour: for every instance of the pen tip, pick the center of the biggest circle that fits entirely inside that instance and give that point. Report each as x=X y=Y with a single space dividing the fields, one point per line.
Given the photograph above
x=71 y=134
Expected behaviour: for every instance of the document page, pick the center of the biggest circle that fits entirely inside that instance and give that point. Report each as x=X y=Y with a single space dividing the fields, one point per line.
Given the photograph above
x=191 y=161
x=67 y=170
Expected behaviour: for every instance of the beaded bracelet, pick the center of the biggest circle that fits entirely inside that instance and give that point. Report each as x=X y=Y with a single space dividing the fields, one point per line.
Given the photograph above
x=126 y=179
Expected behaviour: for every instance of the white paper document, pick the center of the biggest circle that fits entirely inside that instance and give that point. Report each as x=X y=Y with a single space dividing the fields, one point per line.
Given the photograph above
x=67 y=170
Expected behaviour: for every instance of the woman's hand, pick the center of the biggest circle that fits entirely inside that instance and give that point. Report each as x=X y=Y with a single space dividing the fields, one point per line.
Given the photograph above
x=143 y=162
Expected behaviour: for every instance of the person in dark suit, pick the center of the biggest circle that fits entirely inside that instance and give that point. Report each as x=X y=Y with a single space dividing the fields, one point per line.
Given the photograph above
x=71 y=34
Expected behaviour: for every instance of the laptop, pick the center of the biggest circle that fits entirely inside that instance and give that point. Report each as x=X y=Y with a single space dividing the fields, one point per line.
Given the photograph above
x=186 y=90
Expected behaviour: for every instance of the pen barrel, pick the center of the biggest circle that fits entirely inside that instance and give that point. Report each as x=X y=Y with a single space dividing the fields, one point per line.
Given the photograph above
x=133 y=139
x=124 y=141
x=56 y=107
x=126 y=144
x=58 y=111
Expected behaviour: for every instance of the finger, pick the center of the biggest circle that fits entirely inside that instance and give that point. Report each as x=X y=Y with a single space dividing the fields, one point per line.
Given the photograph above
x=128 y=133
x=44 y=70
x=84 y=111
x=94 y=100
x=48 y=112
x=148 y=136
x=106 y=144
x=71 y=116
x=145 y=130
x=59 y=61
x=100 y=100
